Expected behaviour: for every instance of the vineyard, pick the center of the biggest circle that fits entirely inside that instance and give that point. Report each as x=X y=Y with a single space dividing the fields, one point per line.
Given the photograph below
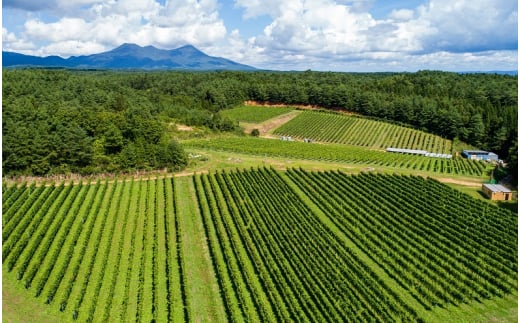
x=446 y=251
x=359 y=131
x=281 y=246
x=341 y=153
x=103 y=252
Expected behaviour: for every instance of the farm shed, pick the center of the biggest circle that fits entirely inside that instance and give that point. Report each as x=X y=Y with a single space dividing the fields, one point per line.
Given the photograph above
x=479 y=155
x=497 y=192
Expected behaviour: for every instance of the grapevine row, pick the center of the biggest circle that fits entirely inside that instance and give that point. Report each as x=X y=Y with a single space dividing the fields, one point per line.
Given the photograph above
x=89 y=218
x=353 y=130
x=340 y=153
x=292 y=253
x=62 y=263
x=19 y=210
x=401 y=240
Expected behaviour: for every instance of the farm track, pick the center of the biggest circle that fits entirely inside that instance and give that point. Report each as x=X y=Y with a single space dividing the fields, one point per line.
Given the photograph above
x=39 y=182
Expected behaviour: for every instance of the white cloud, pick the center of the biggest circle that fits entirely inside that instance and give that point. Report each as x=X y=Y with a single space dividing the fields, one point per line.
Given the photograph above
x=93 y=25
x=300 y=34
x=339 y=29
x=12 y=43
x=63 y=30
x=466 y=25
x=7 y=37
x=72 y=48
x=317 y=26
x=401 y=14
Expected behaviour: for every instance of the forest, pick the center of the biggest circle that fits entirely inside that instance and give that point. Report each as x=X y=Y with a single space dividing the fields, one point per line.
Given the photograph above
x=60 y=121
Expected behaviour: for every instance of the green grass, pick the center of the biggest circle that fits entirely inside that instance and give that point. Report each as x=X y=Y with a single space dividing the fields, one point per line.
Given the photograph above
x=19 y=304
x=496 y=310
x=255 y=114
x=212 y=160
x=202 y=287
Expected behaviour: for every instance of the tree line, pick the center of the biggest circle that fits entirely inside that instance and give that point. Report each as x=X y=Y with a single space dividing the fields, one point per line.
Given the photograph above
x=57 y=121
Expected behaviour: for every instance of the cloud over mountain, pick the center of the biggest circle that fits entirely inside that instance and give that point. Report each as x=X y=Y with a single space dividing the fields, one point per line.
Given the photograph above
x=130 y=56
x=297 y=34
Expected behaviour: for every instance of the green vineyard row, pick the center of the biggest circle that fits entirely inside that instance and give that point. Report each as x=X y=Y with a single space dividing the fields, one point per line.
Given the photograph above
x=443 y=252
x=105 y=252
x=114 y=251
x=358 y=131
x=340 y=153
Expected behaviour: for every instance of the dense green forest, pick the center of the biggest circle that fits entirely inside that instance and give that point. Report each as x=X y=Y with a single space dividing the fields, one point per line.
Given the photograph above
x=59 y=121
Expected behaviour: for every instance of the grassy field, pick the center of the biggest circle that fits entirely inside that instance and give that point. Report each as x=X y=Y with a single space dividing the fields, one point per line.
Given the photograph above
x=203 y=295
x=255 y=114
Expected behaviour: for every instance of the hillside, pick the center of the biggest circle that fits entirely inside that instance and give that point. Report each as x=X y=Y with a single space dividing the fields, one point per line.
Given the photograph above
x=78 y=109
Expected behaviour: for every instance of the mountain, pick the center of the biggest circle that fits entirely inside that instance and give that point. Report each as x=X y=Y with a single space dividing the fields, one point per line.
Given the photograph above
x=511 y=73
x=130 y=56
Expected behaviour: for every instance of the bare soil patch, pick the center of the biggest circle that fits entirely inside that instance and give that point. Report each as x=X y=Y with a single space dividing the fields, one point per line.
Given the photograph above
x=182 y=127
x=269 y=104
x=299 y=106
x=470 y=183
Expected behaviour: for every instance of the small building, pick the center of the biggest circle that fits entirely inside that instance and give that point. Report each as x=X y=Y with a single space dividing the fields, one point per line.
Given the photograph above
x=479 y=155
x=497 y=192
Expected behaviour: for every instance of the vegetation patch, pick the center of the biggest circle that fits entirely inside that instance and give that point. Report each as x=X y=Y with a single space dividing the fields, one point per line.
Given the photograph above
x=255 y=114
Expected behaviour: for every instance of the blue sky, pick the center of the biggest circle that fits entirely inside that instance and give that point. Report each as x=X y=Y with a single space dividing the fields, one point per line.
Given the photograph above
x=329 y=35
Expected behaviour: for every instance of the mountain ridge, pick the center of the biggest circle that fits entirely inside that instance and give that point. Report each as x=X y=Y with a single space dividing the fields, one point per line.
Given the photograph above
x=130 y=56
